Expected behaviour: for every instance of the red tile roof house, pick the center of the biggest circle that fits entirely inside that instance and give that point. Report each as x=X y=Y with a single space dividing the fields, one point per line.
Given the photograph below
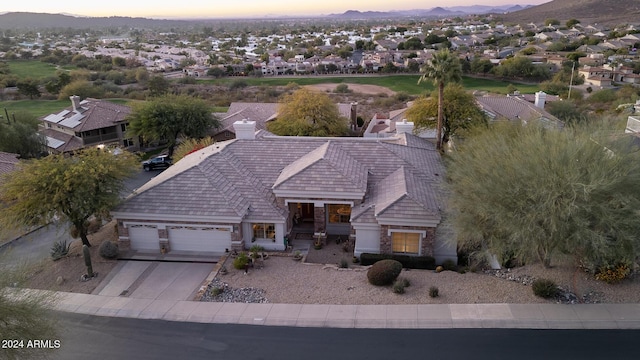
x=90 y=122
x=259 y=188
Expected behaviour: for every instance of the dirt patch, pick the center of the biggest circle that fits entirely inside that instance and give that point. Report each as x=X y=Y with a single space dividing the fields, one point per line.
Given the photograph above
x=356 y=88
x=46 y=273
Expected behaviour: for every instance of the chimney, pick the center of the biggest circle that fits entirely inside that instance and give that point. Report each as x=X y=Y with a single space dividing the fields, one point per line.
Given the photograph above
x=541 y=98
x=75 y=101
x=354 y=115
x=245 y=129
x=404 y=127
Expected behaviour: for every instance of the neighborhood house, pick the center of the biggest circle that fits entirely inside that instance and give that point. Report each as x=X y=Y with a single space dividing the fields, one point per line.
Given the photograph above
x=261 y=189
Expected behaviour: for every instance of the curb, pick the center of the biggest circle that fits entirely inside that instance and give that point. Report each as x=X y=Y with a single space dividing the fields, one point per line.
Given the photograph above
x=2 y=246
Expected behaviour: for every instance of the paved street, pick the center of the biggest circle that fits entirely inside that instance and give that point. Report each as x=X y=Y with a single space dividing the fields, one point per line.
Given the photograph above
x=93 y=337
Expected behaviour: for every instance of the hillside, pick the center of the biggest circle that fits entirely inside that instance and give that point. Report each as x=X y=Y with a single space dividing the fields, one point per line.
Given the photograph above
x=611 y=12
x=25 y=20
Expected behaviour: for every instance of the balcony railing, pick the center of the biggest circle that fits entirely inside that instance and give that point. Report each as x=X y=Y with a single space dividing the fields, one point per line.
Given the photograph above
x=98 y=139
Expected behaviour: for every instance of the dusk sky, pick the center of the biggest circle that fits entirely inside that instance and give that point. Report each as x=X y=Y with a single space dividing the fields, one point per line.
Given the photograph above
x=237 y=8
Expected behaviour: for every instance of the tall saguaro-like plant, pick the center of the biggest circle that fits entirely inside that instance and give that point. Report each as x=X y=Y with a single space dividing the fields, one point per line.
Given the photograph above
x=443 y=68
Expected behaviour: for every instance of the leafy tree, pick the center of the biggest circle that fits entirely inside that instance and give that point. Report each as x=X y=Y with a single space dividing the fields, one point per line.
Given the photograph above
x=29 y=87
x=531 y=193
x=72 y=188
x=19 y=135
x=443 y=68
x=521 y=67
x=158 y=85
x=82 y=88
x=551 y=22
x=459 y=112
x=169 y=117
x=308 y=113
x=481 y=66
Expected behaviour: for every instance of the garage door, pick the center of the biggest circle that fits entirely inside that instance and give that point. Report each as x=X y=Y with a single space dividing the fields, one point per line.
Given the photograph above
x=207 y=239
x=144 y=238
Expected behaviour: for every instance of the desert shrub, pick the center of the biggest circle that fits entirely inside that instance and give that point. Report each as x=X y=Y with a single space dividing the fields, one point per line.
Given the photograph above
x=384 y=272
x=434 y=292
x=545 y=288
x=405 y=281
x=449 y=265
x=342 y=88
x=613 y=274
x=241 y=261
x=217 y=291
x=59 y=250
x=344 y=264
x=108 y=250
x=398 y=287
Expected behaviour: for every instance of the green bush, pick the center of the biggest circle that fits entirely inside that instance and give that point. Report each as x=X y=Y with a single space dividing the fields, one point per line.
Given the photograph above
x=384 y=272
x=434 y=292
x=59 y=250
x=108 y=250
x=398 y=287
x=545 y=288
x=410 y=262
x=405 y=281
x=344 y=264
x=449 y=265
x=241 y=261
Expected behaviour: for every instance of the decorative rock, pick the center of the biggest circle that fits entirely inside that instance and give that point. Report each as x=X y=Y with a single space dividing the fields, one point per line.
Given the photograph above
x=439 y=269
x=228 y=294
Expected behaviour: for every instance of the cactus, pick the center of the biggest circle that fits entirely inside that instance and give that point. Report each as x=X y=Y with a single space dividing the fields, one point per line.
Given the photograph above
x=87 y=260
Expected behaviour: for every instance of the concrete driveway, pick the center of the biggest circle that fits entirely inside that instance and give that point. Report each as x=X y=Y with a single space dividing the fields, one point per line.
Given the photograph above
x=155 y=280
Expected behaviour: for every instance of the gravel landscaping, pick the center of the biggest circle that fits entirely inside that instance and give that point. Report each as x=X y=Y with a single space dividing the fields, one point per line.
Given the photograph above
x=318 y=280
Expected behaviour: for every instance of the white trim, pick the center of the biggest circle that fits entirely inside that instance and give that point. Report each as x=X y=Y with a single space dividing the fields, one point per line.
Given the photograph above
x=421 y=232
x=318 y=203
x=431 y=223
x=365 y=226
x=319 y=194
x=163 y=226
x=168 y=217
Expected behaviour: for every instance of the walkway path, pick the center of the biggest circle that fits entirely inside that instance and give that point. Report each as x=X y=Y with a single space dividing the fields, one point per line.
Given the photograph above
x=537 y=316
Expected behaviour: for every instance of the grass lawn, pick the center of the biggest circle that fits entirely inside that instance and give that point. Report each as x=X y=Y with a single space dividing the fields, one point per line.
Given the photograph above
x=35 y=107
x=398 y=83
x=43 y=107
x=31 y=69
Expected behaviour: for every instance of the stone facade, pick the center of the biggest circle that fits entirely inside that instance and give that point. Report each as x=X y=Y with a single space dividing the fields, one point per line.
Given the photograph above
x=427 y=243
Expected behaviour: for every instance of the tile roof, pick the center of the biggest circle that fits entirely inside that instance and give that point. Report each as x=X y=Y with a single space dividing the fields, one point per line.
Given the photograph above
x=514 y=108
x=60 y=141
x=327 y=169
x=8 y=163
x=91 y=115
x=236 y=177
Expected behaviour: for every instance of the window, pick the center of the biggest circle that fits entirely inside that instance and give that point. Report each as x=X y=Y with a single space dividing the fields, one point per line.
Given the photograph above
x=405 y=243
x=339 y=214
x=127 y=142
x=264 y=231
x=123 y=127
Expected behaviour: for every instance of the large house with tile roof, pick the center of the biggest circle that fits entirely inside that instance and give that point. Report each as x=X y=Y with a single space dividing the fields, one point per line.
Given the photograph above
x=258 y=189
x=90 y=122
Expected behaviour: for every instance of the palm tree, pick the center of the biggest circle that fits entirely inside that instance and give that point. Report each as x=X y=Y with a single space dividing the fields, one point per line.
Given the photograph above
x=443 y=68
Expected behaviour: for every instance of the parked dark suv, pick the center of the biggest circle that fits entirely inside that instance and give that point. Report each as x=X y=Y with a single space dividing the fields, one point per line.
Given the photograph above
x=158 y=162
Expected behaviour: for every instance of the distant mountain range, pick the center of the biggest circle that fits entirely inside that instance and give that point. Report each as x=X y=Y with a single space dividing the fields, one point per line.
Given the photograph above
x=587 y=11
x=437 y=12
